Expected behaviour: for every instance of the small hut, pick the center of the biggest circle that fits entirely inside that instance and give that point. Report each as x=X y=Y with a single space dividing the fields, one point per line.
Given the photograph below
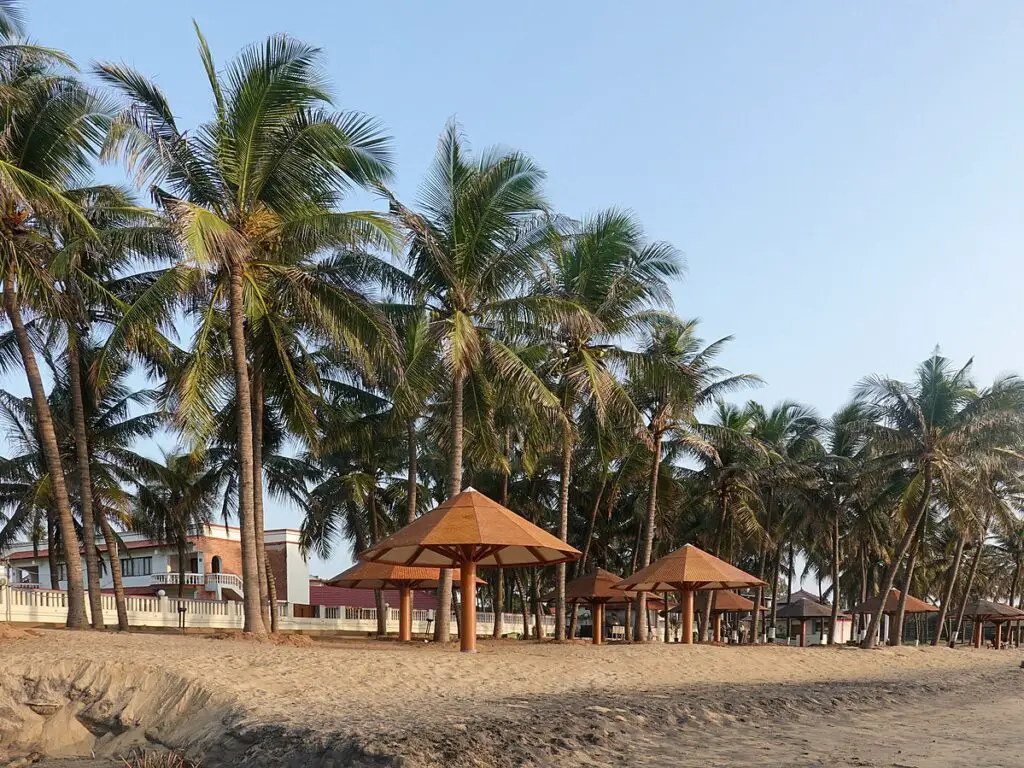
x=892 y=602
x=687 y=570
x=997 y=613
x=466 y=531
x=804 y=610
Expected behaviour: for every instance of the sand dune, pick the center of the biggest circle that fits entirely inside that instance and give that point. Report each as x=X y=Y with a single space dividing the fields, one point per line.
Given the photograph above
x=361 y=703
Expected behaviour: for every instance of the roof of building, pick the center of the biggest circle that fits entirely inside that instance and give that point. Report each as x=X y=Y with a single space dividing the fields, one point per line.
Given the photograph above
x=689 y=567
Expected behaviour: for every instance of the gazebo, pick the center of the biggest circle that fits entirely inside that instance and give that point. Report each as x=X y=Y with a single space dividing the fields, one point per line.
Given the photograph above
x=892 y=603
x=804 y=610
x=464 y=532
x=384 y=576
x=596 y=590
x=987 y=610
x=687 y=570
x=722 y=601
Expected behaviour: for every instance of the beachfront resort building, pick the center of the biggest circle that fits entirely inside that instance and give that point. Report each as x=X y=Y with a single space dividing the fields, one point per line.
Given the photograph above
x=212 y=567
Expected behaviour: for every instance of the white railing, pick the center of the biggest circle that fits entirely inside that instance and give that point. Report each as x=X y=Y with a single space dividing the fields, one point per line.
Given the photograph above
x=27 y=585
x=45 y=606
x=173 y=579
x=224 y=580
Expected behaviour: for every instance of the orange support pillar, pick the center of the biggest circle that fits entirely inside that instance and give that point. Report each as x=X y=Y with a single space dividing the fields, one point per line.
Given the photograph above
x=467 y=632
x=597 y=619
x=687 y=609
x=405 y=613
x=999 y=632
x=803 y=633
x=718 y=627
x=979 y=632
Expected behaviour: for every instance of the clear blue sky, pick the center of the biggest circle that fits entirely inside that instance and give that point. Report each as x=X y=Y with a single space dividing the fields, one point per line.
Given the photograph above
x=846 y=180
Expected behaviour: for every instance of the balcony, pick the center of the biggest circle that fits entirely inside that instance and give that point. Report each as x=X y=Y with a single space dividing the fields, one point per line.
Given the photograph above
x=212 y=582
x=26 y=585
x=172 y=579
x=229 y=580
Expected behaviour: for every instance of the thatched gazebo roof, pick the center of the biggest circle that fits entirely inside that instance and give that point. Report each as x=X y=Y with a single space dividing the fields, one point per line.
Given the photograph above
x=470 y=528
x=892 y=601
x=688 y=569
x=803 y=609
x=987 y=610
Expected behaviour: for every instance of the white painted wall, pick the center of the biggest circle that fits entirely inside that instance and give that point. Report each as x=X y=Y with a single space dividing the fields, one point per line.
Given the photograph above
x=298 y=574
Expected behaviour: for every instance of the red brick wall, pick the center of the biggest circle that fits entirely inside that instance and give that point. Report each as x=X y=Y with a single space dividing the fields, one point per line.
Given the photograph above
x=276 y=558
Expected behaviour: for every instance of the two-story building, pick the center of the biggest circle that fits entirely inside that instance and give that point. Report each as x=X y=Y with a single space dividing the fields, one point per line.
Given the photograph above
x=213 y=569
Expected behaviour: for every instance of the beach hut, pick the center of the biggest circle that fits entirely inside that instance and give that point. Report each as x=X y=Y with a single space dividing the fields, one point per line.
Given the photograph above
x=595 y=590
x=464 y=532
x=987 y=610
x=723 y=601
x=892 y=602
x=803 y=610
x=687 y=570
x=386 y=576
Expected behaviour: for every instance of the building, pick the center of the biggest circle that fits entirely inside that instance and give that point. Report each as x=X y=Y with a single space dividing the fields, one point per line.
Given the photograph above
x=213 y=569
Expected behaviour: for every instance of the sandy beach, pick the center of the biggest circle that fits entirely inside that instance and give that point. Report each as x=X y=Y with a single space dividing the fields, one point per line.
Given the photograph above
x=359 y=703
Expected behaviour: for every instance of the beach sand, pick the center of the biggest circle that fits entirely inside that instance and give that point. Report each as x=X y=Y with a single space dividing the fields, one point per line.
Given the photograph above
x=346 y=702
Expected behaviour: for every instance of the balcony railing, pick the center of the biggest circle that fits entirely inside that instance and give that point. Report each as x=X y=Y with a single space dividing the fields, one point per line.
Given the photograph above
x=225 y=580
x=172 y=579
x=26 y=585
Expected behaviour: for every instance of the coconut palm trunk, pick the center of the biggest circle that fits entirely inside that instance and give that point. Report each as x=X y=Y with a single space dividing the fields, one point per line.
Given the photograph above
x=499 y=591
x=51 y=548
x=182 y=568
x=563 y=532
x=524 y=606
x=272 y=592
x=259 y=523
x=889 y=577
x=966 y=597
x=640 y=604
x=835 y=581
x=76 y=618
x=113 y=551
x=947 y=592
x=92 y=558
x=246 y=492
x=412 y=480
x=442 y=627
x=908 y=579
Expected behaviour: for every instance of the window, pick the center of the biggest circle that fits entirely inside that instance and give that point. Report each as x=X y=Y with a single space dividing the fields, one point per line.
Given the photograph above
x=62 y=572
x=136 y=566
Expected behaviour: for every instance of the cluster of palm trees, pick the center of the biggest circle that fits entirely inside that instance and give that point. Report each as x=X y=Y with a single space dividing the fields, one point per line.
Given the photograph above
x=364 y=365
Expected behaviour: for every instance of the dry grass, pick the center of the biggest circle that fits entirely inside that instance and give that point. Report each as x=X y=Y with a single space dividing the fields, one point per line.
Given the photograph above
x=159 y=760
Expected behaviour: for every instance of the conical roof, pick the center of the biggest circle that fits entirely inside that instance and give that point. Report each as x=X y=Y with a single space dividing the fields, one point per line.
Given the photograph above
x=596 y=585
x=386 y=576
x=805 y=608
x=688 y=568
x=992 y=611
x=470 y=528
x=892 y=604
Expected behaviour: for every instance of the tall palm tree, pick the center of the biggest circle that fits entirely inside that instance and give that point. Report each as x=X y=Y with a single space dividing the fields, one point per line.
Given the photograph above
x=940 y=426
x=259 y=181
x=474 y=244
x=52 y=127
x=675 y=375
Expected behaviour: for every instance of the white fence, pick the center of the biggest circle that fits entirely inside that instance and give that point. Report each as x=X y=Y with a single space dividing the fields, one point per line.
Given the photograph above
x=45 y=606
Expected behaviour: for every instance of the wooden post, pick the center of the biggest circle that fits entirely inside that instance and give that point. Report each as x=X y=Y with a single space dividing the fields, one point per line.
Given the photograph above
x=467 y=630
x=999 y=631
x=979 y=632
x=405 y=613
x=687 y=609
x=666 y=618
x=803 y=633
x=718 y=626
x=597 y=619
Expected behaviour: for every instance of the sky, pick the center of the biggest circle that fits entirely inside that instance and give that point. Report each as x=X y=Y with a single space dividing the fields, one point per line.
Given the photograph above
x=845 y=179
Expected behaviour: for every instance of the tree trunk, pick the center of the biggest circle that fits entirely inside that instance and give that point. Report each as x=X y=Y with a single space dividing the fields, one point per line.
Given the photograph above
x=777 y=561
x=115 y=572
x=591 y=528
x=375 y=534
x=251 y=586
x=499 y=597
x=259 y=523
x=563 y=532
x=537 y=613
x=76 y=618
x=908 y=579
x=970 y=583
x=640 y=603
x=443 y=625
x=182 y=570
x=524 y=603
x=762 y=567
x=835 y=581
x=92 y=558
x=632 y=617
x=947 y=592
x=272 y=593
x=901 y=551
x=412 y=479
x=51 y=548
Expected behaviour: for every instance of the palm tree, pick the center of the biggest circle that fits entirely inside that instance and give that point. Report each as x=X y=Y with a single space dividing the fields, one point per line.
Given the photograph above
x=613 y=281
x=52 y=127
x=940 y=426
x=676 y=375
x=177 y=498
x=473 y=246
x=258 y=182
